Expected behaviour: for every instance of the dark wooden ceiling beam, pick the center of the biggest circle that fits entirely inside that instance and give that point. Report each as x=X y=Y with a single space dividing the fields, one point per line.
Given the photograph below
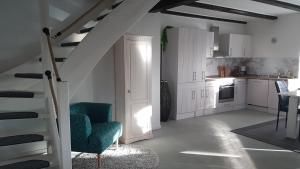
x=167 y=4
x=280 y=4
x=201 y=17
x=230 y=10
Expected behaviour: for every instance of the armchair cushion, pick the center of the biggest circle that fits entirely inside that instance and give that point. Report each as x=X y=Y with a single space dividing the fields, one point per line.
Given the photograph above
x=104 y=135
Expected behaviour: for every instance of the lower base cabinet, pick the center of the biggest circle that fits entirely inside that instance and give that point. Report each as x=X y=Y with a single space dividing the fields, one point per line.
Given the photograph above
x=190 y=100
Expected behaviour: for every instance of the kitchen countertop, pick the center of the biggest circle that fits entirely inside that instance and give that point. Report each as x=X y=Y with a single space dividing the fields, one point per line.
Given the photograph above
x=259 y=77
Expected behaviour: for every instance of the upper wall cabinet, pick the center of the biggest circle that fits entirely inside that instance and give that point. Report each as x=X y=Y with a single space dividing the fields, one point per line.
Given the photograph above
x=186 y=55
x=210 y=45
x=236 y=45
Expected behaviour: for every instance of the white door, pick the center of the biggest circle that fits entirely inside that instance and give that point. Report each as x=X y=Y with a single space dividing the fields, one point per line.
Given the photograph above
x=137 y=70
x=185 y=55
x=236 y=45
x=188 y=98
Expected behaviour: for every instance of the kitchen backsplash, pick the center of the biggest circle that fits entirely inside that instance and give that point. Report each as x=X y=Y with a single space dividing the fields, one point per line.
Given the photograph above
x=258 y=66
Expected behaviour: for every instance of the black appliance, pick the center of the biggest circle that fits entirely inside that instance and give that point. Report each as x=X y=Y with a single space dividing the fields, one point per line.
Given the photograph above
x=226 y=93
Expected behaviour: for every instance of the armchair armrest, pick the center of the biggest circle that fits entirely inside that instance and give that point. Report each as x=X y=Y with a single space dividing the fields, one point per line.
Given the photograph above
x=81 y=129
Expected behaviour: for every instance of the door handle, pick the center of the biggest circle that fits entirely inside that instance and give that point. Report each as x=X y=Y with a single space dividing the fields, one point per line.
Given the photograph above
x=128 y=91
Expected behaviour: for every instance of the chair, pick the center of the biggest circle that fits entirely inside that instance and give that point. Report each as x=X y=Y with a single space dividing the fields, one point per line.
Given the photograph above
x=283 y=102
x=92 y=128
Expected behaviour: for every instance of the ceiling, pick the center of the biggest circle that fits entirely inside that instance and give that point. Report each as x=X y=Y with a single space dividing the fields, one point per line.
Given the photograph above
x=245 y=5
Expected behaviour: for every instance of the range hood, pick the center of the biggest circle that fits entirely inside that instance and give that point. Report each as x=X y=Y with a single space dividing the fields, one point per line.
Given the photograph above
x=216 y=31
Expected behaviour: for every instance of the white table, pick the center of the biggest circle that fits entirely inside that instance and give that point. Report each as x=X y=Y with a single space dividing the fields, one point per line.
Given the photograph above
x=292 y=123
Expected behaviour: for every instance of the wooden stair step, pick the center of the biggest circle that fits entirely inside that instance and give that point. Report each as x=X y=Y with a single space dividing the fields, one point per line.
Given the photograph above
x=29 y=75
x=69 y=44
x=30 y=164
x=16 y=94
x=18 y=115
x=62 y=59
x=20 y=139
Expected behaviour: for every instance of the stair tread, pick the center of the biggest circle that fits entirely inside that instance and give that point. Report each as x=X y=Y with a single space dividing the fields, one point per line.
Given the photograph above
x=85 y=30
x=29 y=75
x=20 y=139
x=58 y=59
x=18 y=115
x=69 y=44
x=30 y=164
x=17 y=94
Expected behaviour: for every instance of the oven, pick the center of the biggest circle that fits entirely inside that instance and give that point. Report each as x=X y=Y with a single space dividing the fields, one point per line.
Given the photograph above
x=226 y=93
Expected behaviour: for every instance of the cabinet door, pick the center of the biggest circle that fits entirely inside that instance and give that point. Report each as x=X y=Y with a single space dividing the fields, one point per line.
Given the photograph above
x=257 y=93
x=137 y=72
x=247 y=46
x=210 y=45
x=211 y=97
x=236 y=45
x=188 y=98
x=201 y=96
x=199 y=42
x=240 y=93
x=185 y=52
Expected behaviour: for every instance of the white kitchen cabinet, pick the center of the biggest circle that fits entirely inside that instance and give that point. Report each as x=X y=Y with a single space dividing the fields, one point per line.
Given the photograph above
x=190 y=100
x=185 y=55
x=257 y=92
x=210 y=45
x=236 y=45
x=211 y=96
x=240 y=92
x=184 y=66
x=133 y=56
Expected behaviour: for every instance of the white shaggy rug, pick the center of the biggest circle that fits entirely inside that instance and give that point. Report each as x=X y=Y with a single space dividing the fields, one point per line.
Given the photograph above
x=125 y=157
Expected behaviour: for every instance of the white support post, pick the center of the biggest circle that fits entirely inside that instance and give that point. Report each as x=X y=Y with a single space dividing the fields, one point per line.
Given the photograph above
x=64 y=124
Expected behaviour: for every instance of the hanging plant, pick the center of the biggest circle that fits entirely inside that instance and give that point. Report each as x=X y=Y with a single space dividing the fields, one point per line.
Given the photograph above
x=164 y=38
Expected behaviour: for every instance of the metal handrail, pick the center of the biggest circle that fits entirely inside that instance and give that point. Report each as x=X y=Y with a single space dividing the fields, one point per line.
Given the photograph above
x=47 y=33
x=76 y=20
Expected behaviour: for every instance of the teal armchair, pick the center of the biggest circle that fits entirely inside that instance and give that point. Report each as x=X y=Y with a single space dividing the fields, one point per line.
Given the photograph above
x=92 y=128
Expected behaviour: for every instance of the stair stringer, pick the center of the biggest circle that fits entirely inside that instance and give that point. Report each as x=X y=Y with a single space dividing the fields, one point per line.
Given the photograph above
x=94 y=46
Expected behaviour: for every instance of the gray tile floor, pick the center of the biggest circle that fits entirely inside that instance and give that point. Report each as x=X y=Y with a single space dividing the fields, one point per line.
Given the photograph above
x=207 y=143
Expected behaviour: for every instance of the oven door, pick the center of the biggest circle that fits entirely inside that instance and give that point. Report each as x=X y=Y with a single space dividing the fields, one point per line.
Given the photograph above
x=226 y=93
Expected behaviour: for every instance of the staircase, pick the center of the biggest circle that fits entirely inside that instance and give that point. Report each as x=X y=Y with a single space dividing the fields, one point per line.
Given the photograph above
x=34 y=125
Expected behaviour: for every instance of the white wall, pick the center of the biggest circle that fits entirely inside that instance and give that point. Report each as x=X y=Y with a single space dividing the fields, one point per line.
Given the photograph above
x=100 y=84
x=285 y=30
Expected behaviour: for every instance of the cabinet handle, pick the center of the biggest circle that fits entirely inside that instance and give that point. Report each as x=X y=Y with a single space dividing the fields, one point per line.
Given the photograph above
x=202 y=93
x=230 y=52
x=203 y=75
x=193 y=97
x=195 y=75
x=211 y=51
x=206 y=93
